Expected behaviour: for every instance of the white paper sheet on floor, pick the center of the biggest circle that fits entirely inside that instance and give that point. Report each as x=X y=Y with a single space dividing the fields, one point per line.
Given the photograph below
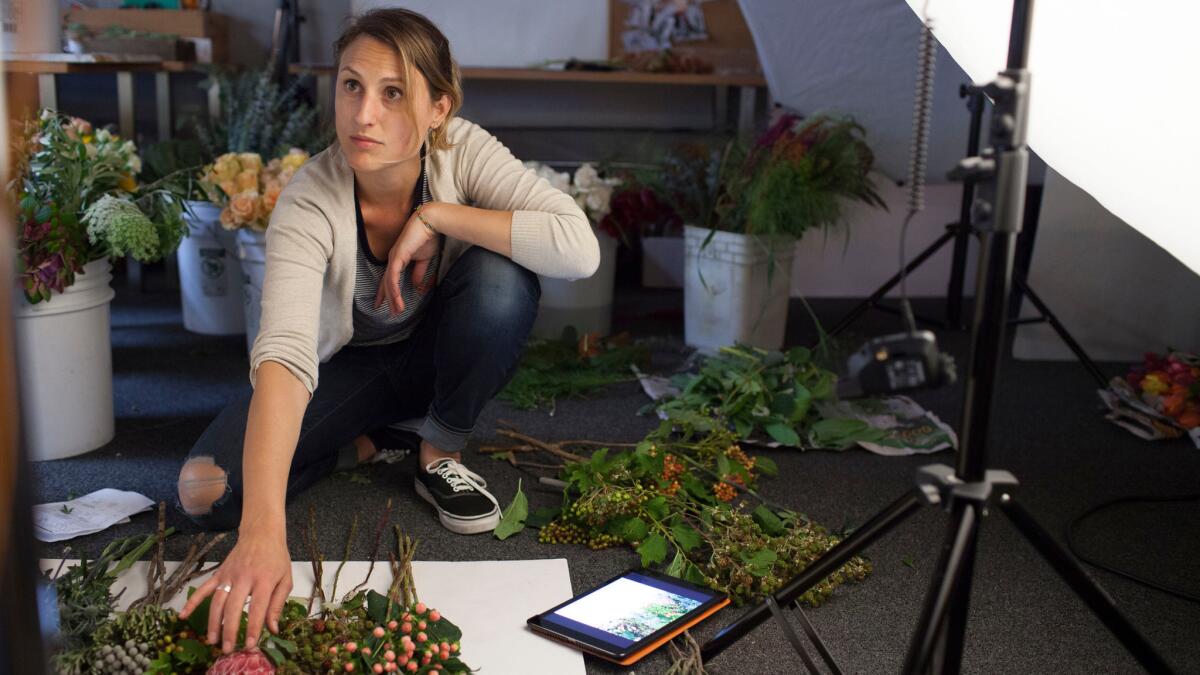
x=88 y=514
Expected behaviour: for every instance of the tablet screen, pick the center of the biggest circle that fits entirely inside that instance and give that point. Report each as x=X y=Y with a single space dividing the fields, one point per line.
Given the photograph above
x=628 y=609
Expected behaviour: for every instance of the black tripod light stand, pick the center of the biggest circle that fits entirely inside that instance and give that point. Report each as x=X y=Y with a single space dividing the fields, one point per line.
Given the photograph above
x=969 y=491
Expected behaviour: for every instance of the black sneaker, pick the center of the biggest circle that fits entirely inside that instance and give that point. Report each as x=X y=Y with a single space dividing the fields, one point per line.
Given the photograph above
x=460 y=496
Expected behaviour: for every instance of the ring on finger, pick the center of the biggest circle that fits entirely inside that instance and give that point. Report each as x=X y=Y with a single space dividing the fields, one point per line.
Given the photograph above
x=226 y=588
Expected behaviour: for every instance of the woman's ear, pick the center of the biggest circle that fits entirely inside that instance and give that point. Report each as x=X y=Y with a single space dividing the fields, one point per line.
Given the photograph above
x=441 y=108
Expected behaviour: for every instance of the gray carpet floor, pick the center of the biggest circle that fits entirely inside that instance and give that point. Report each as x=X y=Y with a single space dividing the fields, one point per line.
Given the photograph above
x=1046 y=429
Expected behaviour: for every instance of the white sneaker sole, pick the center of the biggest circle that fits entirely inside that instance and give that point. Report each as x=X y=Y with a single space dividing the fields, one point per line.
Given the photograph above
x=477 y=525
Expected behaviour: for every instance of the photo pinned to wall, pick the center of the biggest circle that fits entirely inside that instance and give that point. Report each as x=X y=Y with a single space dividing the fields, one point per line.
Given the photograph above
x=653 y=25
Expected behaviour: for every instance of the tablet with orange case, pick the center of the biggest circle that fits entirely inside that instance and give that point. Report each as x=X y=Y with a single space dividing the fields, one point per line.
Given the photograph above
x=615 y=622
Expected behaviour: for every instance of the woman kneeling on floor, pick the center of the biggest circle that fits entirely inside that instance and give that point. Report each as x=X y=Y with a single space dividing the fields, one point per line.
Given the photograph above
x=401 y=274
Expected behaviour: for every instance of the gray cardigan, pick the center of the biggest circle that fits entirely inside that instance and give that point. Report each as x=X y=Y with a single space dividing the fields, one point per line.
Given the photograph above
x=307 y=300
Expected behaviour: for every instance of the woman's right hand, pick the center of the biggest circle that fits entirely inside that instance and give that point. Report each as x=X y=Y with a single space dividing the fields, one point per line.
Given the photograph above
x=258 y=569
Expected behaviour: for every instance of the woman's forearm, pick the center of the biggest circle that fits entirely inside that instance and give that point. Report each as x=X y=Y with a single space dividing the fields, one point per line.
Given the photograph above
x=272 y=430
x=482 y=227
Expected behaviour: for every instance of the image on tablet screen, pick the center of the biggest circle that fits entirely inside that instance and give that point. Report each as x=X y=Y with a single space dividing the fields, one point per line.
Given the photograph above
x=629 y=609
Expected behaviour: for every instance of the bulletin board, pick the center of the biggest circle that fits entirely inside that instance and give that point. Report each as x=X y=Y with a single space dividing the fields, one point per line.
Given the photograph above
x=729 y=45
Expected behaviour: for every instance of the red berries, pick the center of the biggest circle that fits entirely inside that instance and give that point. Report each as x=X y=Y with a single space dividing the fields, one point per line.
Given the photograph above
x=435 y=615
x=378 y=632
x=420 y=608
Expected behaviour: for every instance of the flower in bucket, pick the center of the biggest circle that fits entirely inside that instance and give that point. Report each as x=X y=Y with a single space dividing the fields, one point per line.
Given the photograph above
x=590 y=191
x=246 y=189
x=68 y=170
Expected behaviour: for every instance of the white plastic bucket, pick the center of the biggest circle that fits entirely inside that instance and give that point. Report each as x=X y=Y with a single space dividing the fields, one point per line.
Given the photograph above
x=64 y=365
x=210 y=275
x=252 y=252
x=585 y=304
x=726 y=296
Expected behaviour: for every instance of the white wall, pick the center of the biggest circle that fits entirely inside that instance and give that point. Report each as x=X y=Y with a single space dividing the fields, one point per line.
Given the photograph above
x=1117 y=292
x=827 y=266
x=513 y=33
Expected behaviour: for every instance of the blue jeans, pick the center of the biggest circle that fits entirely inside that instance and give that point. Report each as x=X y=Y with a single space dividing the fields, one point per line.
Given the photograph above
x=462 y=353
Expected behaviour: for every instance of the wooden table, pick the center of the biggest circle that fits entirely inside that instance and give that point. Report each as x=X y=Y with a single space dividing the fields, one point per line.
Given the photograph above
x=746 y=84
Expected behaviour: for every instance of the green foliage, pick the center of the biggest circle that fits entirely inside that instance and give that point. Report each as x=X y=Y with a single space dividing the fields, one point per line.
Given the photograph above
x=258 y=115
x=673 y=499
x=797 y=176
x=564 y=368
x=754 y=391
x=512 y=520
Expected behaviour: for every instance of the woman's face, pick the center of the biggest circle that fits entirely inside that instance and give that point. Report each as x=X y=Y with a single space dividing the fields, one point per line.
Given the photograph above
x=382 y=121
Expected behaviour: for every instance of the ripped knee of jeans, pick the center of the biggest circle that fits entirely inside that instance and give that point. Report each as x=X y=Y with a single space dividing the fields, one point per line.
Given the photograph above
x=201 y=484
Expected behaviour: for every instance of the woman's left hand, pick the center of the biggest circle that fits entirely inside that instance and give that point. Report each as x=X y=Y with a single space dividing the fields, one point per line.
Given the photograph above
x=415 y=245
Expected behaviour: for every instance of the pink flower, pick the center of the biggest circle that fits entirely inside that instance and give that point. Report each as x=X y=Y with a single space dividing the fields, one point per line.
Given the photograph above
x=245 y=662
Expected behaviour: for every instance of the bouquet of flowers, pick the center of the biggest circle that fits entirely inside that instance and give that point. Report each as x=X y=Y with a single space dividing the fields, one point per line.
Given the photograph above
x=78 y=200
x=362 y=632
x=637 y=209
x=1171 y=385
x=592 y=193
x=246 y=188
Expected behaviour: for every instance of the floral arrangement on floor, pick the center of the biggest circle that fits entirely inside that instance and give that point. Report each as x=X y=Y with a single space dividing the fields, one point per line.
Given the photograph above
x=590 y=191
x=246 y=189
x=366 y=632
x=686 y=502
x=78 y=199
x=1170 y=384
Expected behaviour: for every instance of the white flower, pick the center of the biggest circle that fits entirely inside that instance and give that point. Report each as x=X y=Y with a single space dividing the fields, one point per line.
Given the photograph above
x=103 y=136
x=135 y=164
x=598 y=199
x=586 y=176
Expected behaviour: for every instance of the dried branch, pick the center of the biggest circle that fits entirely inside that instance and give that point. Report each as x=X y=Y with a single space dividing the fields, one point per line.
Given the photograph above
x=383 y=520
x=310 y=533
x=345 y=556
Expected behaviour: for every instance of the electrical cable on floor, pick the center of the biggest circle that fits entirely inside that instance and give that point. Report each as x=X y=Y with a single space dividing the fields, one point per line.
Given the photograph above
x=1182 y=595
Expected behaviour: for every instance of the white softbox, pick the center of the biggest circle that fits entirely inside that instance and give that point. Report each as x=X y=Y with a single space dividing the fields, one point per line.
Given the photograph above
x=1114 y=100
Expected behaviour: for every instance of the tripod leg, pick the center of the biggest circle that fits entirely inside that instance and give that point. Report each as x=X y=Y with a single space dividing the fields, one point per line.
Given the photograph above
x=790 y=634
x=888 y=285
x=954 y=629
x=1066 y=337
x=960 y=537
x=1088 y=590
x=820 y=568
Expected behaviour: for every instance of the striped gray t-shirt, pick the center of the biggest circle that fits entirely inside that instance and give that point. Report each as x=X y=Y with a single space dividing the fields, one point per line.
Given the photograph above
x=376 y=326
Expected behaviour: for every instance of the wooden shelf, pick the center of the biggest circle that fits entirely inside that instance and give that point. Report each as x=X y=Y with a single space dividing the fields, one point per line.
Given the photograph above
x=32 y=65
x=593 y=76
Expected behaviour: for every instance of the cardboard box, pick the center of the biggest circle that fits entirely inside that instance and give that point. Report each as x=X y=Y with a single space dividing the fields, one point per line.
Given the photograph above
x=186 y=23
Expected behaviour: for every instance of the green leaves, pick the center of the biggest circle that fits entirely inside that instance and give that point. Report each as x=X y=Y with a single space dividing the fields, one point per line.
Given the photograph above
x=653 y=549
x=841 y=433
x=554 y=369
x=377 y=605
x=759 y=563
x=685 y=536
x=769 y=522
x=512 y=520
x=755 y=392
x=783 y=433
x=634 y=530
